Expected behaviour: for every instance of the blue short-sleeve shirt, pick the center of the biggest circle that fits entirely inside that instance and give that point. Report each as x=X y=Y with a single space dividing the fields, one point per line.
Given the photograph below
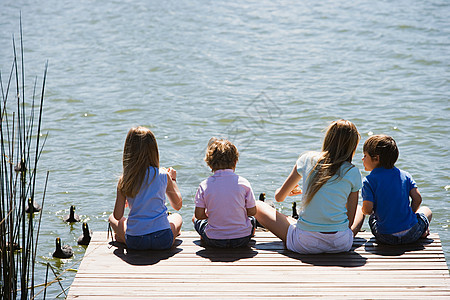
x=389 y=189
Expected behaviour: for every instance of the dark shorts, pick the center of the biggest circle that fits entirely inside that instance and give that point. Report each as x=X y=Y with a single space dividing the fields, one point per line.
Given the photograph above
x=158 y=240
x=200 y=226
x=410 y=237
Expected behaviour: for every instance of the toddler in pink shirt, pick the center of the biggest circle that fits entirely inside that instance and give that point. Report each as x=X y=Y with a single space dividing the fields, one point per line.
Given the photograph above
x=224 y=202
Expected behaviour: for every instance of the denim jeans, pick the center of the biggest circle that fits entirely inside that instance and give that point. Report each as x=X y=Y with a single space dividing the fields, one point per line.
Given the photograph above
x=200 y=226
x=411 y=236
x=158 y=240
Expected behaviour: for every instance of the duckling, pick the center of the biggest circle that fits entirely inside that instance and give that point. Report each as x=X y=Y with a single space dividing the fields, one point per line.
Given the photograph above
x=20 y=167
x=262 y=197
x=294 y=210
x=15 y=246
x=72 y=217
x=34 y=208
x=85 y=238
x=62 y=252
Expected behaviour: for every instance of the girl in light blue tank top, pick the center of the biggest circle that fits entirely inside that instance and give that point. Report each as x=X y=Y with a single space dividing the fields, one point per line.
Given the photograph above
x=331 y=185
x=143 y=186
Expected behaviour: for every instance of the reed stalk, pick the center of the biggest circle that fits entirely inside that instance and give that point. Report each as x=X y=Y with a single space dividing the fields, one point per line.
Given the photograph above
x=20 y=149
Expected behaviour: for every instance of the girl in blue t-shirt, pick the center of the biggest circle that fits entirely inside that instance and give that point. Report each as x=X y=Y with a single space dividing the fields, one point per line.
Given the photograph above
x=330 y=199
x=143 y=186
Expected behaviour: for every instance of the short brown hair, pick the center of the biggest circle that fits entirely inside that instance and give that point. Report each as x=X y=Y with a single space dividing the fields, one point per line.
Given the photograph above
x=221 y=154
x=385 y=147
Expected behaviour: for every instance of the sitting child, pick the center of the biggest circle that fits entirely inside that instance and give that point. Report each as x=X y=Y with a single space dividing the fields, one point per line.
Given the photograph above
x=386 y=192
x=144 y=186
x=224 y=202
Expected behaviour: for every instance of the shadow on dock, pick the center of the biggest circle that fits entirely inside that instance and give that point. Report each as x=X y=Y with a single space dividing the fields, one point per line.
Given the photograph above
x=144 y=258
x=350 y=259
x=374 y=247
x=225 y=255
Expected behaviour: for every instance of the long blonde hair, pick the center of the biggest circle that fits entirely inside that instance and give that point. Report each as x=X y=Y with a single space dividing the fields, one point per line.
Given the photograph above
x=139 y=153
x=339 y=146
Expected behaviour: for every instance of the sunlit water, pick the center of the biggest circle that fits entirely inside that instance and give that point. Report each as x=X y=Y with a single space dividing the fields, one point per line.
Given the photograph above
x=269 y=76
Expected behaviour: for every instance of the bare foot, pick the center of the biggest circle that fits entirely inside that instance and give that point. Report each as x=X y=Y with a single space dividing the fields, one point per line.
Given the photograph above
x=426 y=233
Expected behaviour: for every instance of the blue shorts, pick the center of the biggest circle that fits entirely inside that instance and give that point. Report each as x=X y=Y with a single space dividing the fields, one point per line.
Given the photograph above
x=200 y=226
x=158 y=240
x=413 y=234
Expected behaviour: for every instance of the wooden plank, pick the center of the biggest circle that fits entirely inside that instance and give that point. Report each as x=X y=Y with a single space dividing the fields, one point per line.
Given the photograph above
x=264 y=270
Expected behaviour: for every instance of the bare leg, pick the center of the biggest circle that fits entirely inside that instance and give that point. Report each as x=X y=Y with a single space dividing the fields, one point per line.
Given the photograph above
x=427 y=212
x=274 y=221
x=119 y=227
x=359 y=220
x=175 y=221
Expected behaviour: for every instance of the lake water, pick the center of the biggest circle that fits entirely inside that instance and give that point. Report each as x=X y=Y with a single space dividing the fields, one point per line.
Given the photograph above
x=269 y=76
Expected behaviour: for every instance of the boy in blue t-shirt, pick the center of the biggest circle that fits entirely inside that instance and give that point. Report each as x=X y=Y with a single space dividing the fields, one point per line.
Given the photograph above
x=386 y=192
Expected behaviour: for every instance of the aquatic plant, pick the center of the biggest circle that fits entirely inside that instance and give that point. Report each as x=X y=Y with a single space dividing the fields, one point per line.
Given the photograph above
x=21 y=144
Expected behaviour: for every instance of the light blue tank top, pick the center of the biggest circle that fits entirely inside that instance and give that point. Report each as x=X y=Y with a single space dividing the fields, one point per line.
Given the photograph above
x=327 y=212
x=148 y=212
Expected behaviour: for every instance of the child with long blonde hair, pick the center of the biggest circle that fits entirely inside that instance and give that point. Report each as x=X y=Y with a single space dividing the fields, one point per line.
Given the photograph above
x=331 y=185
x=143 y=185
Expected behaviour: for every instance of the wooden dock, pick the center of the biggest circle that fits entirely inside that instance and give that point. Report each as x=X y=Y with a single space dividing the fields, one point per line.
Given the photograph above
x=264 y=270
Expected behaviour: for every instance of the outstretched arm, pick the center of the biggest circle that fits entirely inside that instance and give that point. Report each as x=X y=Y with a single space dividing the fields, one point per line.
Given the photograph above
x=172 y=191
x=119 y=207
x=200 y=213
x=288 y=185
x=117 y=220
x=352 y=204
x=416 y=199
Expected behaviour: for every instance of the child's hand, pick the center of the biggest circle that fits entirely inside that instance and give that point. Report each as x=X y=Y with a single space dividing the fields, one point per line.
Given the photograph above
x=296 y=191
x=172 y=173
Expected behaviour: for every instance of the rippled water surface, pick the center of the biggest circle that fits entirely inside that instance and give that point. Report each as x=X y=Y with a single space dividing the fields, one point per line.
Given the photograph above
x=269 y=76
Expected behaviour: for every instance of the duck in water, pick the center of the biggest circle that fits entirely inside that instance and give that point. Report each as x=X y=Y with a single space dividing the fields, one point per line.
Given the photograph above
x=62 y=252
x=72 y=217
x=85 y=238
x=14 y=246
x=35 y=207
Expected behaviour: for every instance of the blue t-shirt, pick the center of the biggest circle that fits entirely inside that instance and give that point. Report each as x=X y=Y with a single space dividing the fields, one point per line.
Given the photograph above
x=327 y=210
x=389 y=189
x=148 y=212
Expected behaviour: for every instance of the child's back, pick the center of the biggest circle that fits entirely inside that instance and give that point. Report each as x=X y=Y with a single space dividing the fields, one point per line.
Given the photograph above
x=224 y=201
x=331 y=186
x=226 y=196
x=144 y=186
x=389 y=189
x=386 y=195
x=148 y=212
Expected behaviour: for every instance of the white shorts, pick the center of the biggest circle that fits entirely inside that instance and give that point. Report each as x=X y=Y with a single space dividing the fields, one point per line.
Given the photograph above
x=312 y=242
